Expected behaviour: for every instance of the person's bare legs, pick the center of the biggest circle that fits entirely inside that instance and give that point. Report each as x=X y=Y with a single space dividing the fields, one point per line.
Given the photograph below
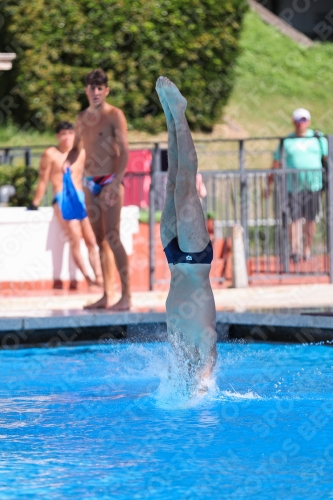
x=296 y=235
x=90 y=241
x=191 y=227
x=168 y=227
x=108 y=268
x=111 y=223
x=105 y=253
x=74 y=233
x=310 y=229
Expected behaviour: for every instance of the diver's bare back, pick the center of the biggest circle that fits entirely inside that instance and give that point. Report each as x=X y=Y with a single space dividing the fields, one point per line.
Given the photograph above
x=57 y=158
x=190 y=304
x=98 y=130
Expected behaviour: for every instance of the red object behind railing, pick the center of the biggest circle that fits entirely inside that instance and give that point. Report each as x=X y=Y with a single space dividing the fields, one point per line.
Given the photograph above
x=137 y=186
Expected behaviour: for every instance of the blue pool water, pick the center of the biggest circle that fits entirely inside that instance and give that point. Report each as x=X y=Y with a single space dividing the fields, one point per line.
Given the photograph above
x=107 y=421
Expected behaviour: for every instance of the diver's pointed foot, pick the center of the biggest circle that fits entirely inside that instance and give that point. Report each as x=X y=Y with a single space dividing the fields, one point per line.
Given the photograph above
x=176 y=102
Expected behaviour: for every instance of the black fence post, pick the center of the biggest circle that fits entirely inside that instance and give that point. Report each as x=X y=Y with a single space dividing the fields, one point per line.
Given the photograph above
x=6 y=159
x=243 y=195
x=155 y=167
x=329 y=205
x=277 y=217
x=284 y=212
x=27 y=156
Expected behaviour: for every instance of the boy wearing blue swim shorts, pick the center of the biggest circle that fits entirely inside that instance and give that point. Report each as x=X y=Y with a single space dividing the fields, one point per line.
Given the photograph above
x=50 y=170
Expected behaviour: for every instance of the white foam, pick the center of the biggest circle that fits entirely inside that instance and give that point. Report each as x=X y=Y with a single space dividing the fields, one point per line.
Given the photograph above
x=174 y=387
x=239 y=395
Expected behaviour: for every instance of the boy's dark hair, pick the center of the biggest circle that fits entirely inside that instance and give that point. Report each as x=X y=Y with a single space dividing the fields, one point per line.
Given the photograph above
x=96 y=77
x=64 y=126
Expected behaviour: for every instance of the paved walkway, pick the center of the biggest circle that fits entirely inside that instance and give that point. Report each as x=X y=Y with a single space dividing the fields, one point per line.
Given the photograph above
x=253 y=298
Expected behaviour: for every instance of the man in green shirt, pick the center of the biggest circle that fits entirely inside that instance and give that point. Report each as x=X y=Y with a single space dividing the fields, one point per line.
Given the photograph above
x=303 y=151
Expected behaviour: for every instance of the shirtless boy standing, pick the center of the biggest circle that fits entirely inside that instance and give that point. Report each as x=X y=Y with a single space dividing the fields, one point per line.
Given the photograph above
x=51 y=170
x=190 y=305
x=101 y=130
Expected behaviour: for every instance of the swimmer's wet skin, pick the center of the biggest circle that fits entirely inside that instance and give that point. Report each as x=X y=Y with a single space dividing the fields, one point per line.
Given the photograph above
x=190 y=306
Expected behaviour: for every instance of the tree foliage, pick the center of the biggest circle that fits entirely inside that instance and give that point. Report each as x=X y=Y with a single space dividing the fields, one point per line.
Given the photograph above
x=193 y=42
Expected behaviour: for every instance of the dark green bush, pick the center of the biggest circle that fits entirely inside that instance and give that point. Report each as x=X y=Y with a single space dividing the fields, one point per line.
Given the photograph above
x=193 y=42
x=23 y=179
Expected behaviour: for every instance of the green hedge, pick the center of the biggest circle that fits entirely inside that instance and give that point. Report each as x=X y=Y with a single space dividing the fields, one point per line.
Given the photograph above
x=193 y=42
x=23 y=179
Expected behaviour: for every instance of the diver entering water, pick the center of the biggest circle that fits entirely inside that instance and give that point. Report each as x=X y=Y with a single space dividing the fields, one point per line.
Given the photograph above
x=190 y=306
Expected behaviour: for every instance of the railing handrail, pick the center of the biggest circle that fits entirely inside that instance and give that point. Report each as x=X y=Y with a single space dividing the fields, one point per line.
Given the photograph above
x=42 y=146
x=278 y=171
x=153 y=142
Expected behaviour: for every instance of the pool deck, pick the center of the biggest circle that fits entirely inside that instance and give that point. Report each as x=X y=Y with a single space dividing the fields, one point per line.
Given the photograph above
x=278 y=313
x=227 y=299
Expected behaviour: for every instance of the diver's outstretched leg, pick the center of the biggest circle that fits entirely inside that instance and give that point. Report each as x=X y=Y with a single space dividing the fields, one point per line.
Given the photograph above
x=191 y=227
x=168 y=228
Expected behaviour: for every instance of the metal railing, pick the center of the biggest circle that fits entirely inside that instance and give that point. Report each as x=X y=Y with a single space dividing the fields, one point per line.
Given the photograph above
x=236 y=174
x=9 y=155
x=239 y=196
x=29 y=156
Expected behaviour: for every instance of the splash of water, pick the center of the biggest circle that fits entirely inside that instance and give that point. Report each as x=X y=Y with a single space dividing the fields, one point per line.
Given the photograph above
x=179 y=387
x=171 y=384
